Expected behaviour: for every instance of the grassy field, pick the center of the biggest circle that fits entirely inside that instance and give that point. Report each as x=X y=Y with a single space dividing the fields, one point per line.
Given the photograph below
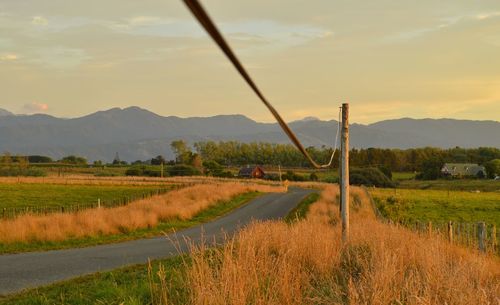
x=438 y=205
x=482 y=185
x=53 y=195
x=206 y=215
x=277 y=263
x=398 y=176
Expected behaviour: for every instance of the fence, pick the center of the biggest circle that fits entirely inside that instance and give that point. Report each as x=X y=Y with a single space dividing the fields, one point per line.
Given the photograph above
x=8 y=213
x=478 y=235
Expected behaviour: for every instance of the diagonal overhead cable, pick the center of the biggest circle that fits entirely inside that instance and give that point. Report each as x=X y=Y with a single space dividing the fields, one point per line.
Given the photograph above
x=201 y=15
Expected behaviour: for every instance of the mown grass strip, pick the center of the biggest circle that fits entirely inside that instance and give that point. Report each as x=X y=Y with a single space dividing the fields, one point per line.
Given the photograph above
x=129 y=285
x=300 y=211
x=209 y=214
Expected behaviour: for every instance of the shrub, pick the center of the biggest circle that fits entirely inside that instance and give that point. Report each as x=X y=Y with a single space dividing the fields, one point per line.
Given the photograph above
x=212 y=168
x=183 y=170
x=291 y=176
x=386 y=170
x=15 y=172
x=369 y=177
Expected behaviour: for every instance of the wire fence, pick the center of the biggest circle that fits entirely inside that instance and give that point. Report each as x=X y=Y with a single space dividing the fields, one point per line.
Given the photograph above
x=475 y=235
x=13 y=212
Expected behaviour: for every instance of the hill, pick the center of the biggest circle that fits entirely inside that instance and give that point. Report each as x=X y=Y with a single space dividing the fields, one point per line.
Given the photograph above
x=137 y=133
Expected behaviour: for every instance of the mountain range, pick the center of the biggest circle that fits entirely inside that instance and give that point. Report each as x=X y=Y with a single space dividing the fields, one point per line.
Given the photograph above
x=136 y=133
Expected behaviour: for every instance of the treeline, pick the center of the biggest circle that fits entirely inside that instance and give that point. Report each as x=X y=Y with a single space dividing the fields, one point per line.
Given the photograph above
x=233 y=153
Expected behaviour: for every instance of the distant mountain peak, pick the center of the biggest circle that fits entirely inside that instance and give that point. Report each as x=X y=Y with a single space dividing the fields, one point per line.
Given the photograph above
x=310 y=118
x=4 y=112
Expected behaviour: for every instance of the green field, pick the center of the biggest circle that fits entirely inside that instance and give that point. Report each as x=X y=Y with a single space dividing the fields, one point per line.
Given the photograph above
x=399 y=176
x=54 y=195
x=438 y=206
x=482 y=185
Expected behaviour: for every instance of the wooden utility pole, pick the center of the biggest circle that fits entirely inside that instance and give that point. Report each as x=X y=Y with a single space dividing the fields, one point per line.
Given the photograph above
x=344 y=173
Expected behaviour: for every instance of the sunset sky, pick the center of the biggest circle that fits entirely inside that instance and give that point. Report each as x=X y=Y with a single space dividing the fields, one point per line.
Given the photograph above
x=388 y=59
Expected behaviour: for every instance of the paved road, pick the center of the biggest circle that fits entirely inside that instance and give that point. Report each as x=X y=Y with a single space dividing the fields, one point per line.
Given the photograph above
x=28 y=270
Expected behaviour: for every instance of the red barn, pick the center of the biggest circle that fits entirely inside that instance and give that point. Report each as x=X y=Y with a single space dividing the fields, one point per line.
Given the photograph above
x=251 y=172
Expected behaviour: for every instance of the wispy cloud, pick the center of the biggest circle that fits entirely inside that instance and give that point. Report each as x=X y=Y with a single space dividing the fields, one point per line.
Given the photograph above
x=35 y=107
x=39 y=21
x=8 y=57
x=488 y=15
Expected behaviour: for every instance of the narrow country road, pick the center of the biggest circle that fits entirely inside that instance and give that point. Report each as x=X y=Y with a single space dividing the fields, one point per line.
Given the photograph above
x=28 y=270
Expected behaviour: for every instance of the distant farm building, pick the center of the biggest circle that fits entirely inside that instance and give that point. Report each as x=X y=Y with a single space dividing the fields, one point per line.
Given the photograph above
x=251 y=172
x=458 y=170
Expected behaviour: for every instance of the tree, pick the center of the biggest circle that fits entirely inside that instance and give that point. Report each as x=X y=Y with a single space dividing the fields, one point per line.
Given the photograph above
x=158 y=160
x=212 y=168
x=197 y=162
x=431 y=169
x=39 y=159
x=74 y=160
x=181 y=151
x=492 y=168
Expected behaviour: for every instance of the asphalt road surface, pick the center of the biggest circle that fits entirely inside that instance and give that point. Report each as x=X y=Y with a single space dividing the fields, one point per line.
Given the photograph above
x=33 y=269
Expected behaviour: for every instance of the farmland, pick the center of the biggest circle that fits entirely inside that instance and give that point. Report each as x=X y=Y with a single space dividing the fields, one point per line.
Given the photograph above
x=438 y=206
x=60 y=195
x=481 y=185
x=144 y=217
x=278 y=263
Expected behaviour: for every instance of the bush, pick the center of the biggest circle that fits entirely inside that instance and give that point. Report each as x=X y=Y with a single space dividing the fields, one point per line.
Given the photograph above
x=15 y=172
x=369 y=177
x=39 y=159
x=386 y=170
x=291 y=176
x=313 y=177
x=212 y=168
x=143 y=170
x=183 y=170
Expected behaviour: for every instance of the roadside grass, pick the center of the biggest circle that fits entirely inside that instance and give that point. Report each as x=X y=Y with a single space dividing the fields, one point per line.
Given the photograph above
x=129 y=285
x=482 y=185
x=206 y=215
x=438 y=206
x=59 y=195
x=301 y=210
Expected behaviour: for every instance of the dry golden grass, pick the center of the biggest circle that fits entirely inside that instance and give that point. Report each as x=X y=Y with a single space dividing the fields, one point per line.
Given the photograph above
x=306 y=263
x=181 y=204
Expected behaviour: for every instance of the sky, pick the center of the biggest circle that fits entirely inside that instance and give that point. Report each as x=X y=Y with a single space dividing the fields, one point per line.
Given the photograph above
x=388 y=59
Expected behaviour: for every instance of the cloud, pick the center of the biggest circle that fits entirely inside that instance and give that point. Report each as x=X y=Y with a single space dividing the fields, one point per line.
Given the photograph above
x=8 y=57
x=35 y=107
x=487 y=15
x=39 y=21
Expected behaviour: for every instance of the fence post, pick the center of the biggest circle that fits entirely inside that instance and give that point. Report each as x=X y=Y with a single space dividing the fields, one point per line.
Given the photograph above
x=494 y=238
x=98 y=203
x=429 y=228
x=481 y=236
x=450 y=231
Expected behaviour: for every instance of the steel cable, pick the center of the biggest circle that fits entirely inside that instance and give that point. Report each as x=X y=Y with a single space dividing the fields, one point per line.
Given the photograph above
x=199 y=12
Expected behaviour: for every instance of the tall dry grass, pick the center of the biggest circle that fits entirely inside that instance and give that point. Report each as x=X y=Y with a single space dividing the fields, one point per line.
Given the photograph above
x=306 y=263
x=181 y=204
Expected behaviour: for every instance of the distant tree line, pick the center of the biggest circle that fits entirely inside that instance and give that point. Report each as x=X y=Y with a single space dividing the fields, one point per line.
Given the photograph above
x=232 y=153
